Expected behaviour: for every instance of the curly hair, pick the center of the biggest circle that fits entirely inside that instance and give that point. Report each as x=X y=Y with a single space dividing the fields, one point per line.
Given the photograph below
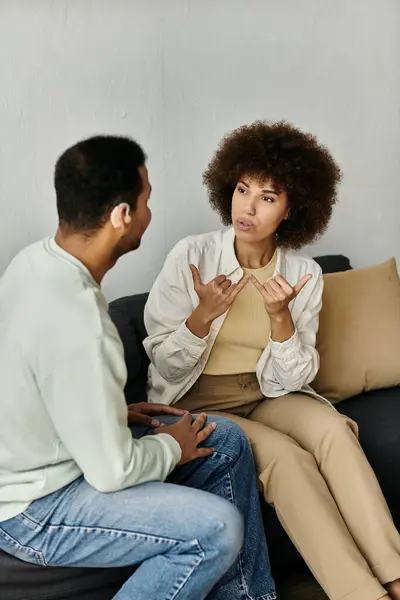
x=293 y=160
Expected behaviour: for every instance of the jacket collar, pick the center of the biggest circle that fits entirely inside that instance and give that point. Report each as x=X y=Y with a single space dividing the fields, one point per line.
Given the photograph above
x=229 y=262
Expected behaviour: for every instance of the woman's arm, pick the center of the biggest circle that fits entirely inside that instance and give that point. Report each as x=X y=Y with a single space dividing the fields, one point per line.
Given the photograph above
x=179 y=313
x=172 y=348
x=293 y=360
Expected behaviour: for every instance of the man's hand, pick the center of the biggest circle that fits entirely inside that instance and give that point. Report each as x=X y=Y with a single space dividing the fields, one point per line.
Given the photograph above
x=215 y=298
x=142 y=413
x=189 y=435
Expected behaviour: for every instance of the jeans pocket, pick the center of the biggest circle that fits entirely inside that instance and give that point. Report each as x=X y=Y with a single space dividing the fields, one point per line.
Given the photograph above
x=38 y=512
x=17 y=548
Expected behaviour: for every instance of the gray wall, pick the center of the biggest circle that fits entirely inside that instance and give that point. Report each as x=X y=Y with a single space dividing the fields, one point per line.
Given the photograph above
x=177 y=75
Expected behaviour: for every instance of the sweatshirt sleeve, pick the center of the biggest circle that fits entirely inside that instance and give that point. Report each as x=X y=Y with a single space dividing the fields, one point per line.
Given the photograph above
x=85 y=399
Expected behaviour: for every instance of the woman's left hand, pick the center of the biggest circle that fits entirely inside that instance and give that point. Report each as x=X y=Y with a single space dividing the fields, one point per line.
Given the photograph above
x=142 y=413
x=278 y=293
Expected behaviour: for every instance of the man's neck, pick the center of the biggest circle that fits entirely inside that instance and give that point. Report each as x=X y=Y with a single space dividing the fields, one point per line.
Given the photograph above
x=91 y=251
x=254 y=255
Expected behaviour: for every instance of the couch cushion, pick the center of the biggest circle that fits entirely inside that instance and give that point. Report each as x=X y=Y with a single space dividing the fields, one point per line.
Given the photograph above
x=359 y=334
x=127 y=314
x=333 y=263
x=23 y=581
x=378 y=416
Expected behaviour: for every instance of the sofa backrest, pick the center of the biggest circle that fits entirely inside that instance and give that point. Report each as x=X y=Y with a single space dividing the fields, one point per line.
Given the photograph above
x=127 y=314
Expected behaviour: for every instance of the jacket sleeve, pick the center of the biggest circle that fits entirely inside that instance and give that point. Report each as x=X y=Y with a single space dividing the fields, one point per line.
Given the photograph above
x=171 y=347
x=294 y=363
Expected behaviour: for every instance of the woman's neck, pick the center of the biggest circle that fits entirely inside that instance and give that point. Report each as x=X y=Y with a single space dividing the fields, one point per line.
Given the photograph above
x=254 y=255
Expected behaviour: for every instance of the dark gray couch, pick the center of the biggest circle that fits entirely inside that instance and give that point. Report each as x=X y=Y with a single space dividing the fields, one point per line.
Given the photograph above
x=378 y=415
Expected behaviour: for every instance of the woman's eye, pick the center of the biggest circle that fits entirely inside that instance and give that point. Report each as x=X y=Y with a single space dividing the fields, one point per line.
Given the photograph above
x=268 y=199
x=241 y=190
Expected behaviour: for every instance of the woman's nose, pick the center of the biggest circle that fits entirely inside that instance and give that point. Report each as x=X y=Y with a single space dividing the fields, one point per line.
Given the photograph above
x=250 y=206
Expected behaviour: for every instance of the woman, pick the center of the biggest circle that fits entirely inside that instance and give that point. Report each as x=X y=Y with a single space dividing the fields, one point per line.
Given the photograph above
x=232 y=322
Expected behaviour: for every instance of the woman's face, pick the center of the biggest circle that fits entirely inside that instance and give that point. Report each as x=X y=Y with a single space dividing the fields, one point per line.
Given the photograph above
x=257 y=209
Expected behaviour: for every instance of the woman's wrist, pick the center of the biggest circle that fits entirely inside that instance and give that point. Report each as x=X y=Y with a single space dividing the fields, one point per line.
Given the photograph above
x=282 y=326
x=199 y=323
x=283 y=316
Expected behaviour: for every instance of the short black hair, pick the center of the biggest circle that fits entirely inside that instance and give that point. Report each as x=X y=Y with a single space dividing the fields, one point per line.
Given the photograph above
x=94 y=176
x=297 y=164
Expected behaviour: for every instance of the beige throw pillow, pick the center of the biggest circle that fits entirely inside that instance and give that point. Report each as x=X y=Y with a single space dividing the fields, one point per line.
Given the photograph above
x=359 y=333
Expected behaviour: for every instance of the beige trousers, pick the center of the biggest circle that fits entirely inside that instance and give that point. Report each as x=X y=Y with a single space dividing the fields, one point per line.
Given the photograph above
x=313 y=471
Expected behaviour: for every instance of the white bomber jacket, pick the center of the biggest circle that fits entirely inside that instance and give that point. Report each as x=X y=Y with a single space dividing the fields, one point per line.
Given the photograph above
x=178 y=357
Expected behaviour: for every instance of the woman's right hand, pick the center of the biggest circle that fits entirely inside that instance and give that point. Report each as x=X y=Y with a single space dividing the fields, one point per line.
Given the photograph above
x=216 y=297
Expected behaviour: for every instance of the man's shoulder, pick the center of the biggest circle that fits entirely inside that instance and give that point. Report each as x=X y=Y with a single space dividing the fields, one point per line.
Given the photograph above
x=22 y=286
x=24 y=260
x=43 y=297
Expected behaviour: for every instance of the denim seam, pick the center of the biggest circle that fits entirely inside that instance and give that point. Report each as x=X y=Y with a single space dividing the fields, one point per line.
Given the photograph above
x=108 y=530
x=223 y=455
x=243 y=579
x=28 y=520
x=25 y=549
x=111 y=531
x=180 y=583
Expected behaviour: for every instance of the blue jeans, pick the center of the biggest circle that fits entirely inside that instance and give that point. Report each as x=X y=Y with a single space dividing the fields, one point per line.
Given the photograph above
x=183 y=534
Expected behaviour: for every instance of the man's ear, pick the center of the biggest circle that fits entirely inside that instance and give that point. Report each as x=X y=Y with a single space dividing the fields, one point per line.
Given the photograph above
x=120 y=215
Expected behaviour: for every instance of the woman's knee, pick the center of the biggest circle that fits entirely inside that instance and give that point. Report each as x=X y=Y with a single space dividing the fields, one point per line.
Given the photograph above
x=332 y=429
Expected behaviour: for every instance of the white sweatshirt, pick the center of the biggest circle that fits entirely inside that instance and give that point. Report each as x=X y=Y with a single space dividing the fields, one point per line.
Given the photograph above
x=62 y=378
x=178 y=357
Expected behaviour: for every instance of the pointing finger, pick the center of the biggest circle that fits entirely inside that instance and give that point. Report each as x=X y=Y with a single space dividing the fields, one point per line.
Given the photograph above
x=260 y=287
x=236 y=288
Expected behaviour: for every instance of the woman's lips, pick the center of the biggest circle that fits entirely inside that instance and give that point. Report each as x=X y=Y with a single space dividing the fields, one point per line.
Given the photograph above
x=244 y=225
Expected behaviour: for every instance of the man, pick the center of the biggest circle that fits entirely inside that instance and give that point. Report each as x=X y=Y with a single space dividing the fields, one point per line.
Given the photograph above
x=78 y=486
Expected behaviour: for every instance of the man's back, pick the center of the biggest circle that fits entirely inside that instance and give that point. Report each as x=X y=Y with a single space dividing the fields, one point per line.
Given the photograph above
x=51 y=307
